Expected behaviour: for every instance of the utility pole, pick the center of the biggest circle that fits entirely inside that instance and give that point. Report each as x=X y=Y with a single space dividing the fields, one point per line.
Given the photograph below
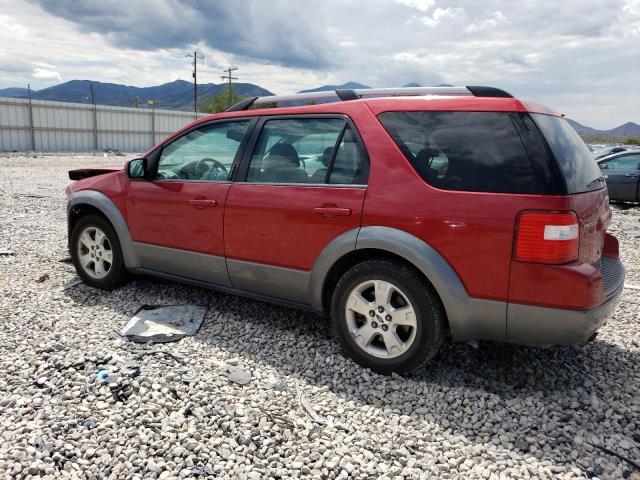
x=95 y=116
x=31 y=128
x=195 y=57
x=229 y=77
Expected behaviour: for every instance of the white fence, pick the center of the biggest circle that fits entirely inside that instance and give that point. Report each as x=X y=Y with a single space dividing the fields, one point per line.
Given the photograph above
x=58 y=126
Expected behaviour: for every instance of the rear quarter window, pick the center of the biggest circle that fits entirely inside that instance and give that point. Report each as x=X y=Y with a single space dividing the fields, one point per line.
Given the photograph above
x=580 y=169
x=468 y=151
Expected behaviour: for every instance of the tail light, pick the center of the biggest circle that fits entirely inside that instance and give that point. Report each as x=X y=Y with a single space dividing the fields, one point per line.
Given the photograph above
x=543 y=237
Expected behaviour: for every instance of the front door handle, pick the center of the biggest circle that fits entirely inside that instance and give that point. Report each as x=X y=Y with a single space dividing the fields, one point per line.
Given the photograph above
x=332 y=211
x=631 y=175
x=202 y=203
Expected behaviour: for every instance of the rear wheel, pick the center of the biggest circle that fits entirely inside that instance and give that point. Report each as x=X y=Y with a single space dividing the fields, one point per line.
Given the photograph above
x=96 y=253
x=386 y=316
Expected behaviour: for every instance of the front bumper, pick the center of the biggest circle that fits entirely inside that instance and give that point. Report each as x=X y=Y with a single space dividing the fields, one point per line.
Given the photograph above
x=532 y=325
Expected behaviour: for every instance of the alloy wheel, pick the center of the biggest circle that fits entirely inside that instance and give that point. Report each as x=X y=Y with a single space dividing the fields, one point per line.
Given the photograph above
x=94 y=252
x=381 y=319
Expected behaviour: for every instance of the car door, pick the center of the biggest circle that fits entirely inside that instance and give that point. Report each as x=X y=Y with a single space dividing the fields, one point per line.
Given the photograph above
x=622 y=174
x=176 y=219
x=304 y=185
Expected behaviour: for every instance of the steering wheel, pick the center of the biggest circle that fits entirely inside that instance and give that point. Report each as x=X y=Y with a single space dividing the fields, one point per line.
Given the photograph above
x=202 y=168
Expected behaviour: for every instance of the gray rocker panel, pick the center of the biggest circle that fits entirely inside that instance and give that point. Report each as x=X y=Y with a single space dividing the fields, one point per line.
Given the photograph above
x=194 y=265
x=278 y=282
x=109 y=209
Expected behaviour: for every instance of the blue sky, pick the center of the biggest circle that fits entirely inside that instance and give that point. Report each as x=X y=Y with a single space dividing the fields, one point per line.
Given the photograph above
x=582 y=58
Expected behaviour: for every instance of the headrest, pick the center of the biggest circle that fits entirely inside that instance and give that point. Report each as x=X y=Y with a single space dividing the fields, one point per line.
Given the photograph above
x=286 y=150
x=326 y=156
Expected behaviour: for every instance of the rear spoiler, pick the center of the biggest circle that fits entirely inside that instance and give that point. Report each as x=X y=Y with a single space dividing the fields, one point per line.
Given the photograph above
x=82 y=173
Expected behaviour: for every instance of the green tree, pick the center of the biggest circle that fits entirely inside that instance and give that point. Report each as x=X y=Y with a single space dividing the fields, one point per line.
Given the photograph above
x=220 y=102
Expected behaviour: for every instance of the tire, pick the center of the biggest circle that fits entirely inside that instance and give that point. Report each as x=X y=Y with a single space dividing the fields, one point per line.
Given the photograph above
x=98 y=260
x=410 y=306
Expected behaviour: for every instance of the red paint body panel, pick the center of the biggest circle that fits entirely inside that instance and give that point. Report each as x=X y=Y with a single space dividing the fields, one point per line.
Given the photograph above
x=278 y=225
x=162 y=213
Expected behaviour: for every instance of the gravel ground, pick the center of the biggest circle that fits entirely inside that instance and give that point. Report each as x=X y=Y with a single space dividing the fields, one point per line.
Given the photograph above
x=495 y=411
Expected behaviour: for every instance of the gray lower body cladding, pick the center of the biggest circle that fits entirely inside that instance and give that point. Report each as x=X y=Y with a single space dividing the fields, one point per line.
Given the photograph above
x=469 y=318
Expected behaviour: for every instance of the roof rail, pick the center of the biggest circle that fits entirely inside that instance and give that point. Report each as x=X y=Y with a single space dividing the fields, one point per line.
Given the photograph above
x=349 y=94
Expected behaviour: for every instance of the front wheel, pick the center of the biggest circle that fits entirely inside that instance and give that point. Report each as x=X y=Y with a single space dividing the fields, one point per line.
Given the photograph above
x=96 y=253
x=387 y=317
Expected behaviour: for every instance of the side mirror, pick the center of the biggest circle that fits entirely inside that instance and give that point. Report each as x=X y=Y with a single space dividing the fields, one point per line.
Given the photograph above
x=137 y=168
x=604 y=166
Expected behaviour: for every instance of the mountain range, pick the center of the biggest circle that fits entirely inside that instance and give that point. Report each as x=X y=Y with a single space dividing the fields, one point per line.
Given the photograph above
x=178 y=95
x=629 y=129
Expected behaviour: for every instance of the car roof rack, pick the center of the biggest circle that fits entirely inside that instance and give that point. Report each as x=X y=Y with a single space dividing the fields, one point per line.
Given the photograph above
x=355 y=94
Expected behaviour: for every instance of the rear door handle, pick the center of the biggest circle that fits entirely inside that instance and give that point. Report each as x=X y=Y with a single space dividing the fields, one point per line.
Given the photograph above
x=631 y=175
x=202 y=203
x=332 y=211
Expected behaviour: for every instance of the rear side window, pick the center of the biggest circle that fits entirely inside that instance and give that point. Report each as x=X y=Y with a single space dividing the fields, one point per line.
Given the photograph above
x=308 y=150
x=294 y=150
x=470 y=151
x=580 y=170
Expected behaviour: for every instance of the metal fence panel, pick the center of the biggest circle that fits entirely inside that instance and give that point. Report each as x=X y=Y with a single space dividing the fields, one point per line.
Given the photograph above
x=61 y=126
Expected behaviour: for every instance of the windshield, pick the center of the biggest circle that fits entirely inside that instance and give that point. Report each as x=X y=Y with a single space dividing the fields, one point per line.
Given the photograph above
x=576 y=161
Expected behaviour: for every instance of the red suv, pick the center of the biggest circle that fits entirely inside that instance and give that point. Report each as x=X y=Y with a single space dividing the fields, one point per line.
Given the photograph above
x=405 y=215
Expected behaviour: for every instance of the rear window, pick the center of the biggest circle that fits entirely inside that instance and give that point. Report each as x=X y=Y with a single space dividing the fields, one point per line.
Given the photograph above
x=470 y=151
x=580 y=169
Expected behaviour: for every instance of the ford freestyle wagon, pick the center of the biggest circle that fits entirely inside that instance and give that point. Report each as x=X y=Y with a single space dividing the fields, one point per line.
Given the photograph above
x=406 y=216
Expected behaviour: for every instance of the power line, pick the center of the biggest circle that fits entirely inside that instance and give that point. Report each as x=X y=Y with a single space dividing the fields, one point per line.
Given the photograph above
x=195 y=57
x=229 y=77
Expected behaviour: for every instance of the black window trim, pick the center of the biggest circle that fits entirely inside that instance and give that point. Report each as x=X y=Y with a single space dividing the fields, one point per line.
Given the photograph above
x=243 y=169
x=153 y=158
x=518 y=123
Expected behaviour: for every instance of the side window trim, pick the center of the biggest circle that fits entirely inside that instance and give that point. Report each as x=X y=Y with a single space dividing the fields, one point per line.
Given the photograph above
x=327 y=174
x=155 y=156
x=242 y=170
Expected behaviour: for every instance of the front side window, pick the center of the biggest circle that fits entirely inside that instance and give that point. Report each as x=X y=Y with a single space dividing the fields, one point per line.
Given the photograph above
x=294 y=150
x=204 y=154
x=626 y=162
x=469 y=151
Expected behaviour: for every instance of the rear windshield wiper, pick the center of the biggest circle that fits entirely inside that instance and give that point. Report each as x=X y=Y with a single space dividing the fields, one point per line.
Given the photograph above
x=601 y=178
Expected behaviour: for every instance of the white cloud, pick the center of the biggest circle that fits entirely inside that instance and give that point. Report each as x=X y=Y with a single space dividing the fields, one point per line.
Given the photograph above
x=422 y=5
x=9 y=25
x=448 y=15
x=45 y=74
x=487 y=23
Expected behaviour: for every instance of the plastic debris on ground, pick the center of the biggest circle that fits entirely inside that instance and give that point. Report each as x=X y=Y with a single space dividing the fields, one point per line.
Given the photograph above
x=164 y=324
x=306 y=404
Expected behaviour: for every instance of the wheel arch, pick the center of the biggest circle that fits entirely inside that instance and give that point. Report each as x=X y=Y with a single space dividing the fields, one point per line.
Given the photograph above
x=86 y=202
x=466 y=317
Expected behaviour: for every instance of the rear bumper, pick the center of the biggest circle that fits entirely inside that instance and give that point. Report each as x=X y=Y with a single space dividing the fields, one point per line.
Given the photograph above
x=532 y=325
